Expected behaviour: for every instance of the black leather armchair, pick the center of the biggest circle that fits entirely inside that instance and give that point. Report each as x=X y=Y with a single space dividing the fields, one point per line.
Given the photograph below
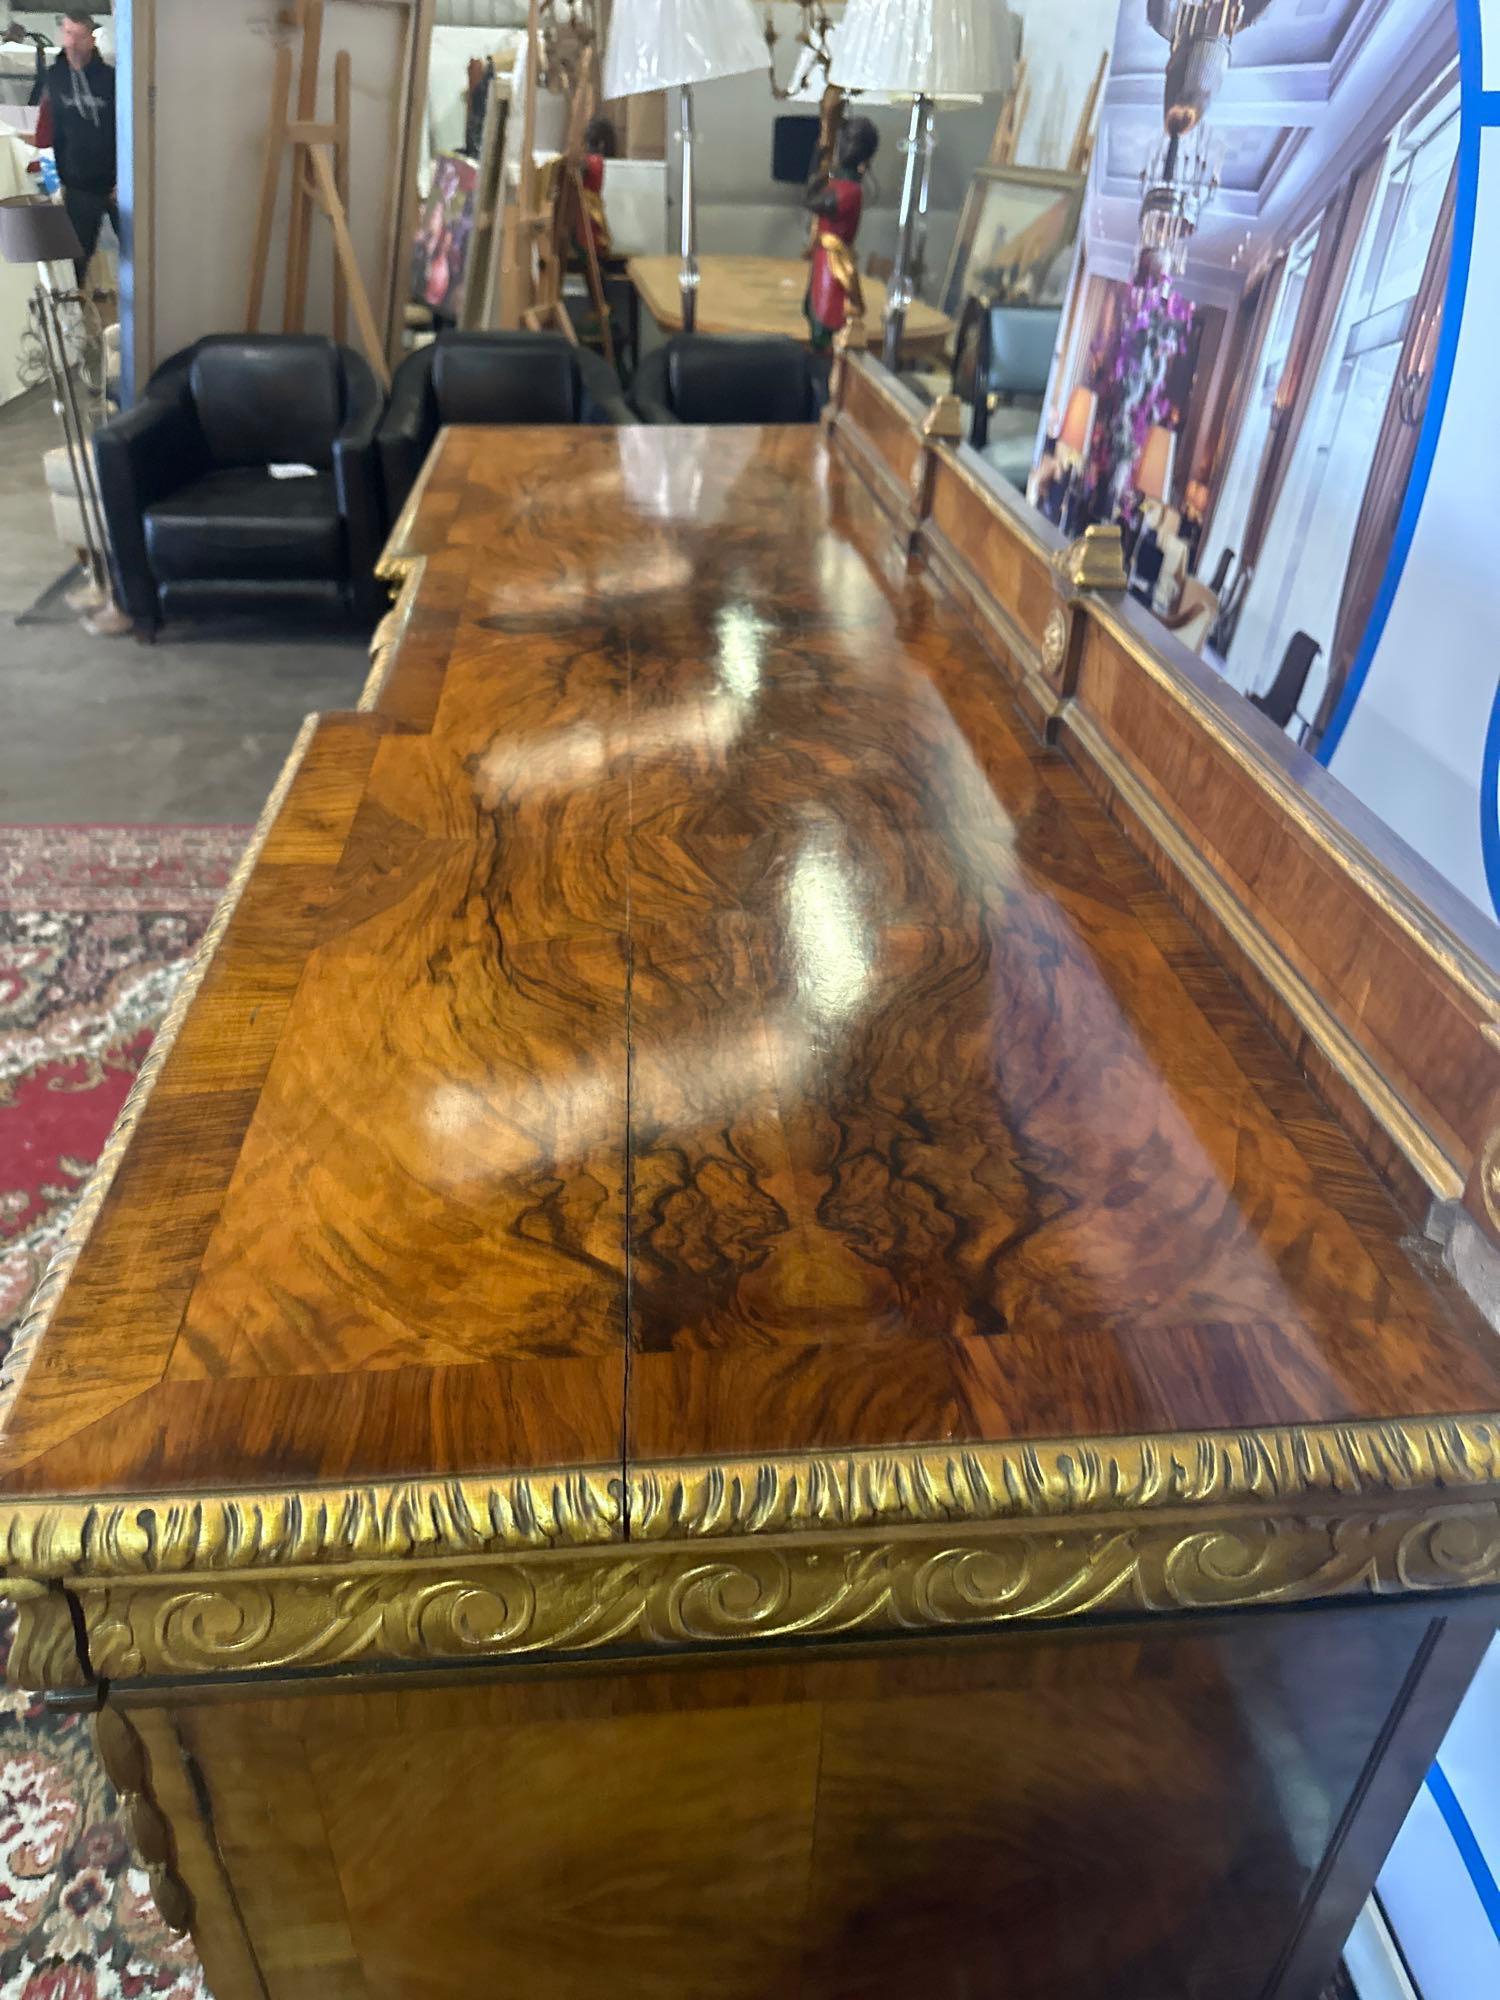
x=706 y=378
x=490 y=378
x=191 y=504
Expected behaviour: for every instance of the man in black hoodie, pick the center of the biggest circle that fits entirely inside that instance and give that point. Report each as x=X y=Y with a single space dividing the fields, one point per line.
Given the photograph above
x=81 y=91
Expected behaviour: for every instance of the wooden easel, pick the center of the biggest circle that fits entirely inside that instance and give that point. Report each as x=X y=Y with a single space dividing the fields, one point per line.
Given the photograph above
x=1012 y=116
x=552 y=212
x=320 y=174
x=484 y=243
x=1083 y=137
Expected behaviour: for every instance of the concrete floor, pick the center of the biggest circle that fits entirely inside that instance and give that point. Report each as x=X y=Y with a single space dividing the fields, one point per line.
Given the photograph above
x=104 y=731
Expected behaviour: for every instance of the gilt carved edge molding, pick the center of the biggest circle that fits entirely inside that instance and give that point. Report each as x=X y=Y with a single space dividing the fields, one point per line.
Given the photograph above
x=403 y=576
x=649 y=1600
x=1213 y=1479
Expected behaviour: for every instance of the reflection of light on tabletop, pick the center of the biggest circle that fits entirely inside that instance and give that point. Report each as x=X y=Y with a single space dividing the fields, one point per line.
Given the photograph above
x=682 y=472
x=741 y=648
x=511 y=1125
x=562 y=760
x=649 y=571
x=827 y=930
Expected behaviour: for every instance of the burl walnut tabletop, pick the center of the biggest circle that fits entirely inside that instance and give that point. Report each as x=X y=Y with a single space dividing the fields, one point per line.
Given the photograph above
x=686 y=1061
x=764 y=295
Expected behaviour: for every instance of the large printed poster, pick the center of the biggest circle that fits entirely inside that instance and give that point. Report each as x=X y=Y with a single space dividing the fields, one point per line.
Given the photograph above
x=1257 y=363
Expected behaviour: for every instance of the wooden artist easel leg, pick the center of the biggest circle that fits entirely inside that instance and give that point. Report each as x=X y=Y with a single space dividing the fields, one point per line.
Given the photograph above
x=341 y=182
x=1083 y=138
x=591 y=256
x=320 y=173
x=320 y=158
x=270 y=174
x=310 y=16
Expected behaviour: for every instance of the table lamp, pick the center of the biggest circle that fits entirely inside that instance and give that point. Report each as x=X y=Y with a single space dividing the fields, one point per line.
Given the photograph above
x=671 y=45
x=924 y=50
x=1152 y=477
x=1073 y=442
x=40 y=233
x=1078 y=424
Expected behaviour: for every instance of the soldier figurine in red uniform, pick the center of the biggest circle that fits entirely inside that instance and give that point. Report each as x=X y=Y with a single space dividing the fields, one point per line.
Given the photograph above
x=837 y=199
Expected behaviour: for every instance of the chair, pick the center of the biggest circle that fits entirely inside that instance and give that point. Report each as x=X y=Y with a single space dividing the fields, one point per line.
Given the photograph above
x=193 y=507
x=1174 y=560
x=489 y=378
x=1145 y=567
x=705 y=378
x=1192 y=621
x=1280 y=700
x=1231 y=604
x=1002 y=353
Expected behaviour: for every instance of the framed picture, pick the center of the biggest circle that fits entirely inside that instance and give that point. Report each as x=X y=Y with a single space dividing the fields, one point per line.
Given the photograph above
x=441 y=251
x=1015 y=238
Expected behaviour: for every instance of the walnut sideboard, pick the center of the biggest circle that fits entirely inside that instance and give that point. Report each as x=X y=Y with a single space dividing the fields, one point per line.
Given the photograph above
x=762 y=1327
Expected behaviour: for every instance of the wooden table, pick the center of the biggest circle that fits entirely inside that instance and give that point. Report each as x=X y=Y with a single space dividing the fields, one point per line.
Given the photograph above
x=764 y=295
x=716 y=1355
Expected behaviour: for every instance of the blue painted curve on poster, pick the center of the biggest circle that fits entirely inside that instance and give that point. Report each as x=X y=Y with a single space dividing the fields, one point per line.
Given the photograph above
x=1477 y=108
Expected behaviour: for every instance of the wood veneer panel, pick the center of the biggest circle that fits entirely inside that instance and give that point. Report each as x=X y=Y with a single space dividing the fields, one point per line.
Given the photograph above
x=1138 y=1813
x=1353 y=952
x=702 y=973
x=877 y=418
x=1015 y=575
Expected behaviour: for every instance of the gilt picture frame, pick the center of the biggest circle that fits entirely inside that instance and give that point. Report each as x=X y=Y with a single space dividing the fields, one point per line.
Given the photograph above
x=1015 y=238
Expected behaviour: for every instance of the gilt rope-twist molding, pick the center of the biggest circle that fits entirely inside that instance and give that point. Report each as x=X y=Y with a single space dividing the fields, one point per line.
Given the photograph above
x=1217 y=1476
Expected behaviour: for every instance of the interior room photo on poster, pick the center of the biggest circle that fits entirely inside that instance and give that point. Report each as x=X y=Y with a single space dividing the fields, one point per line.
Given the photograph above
x=1248 y=341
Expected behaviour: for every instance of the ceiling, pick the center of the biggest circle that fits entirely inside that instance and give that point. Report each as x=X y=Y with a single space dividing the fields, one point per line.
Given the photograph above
x=1290 y=31
x=1305 y=83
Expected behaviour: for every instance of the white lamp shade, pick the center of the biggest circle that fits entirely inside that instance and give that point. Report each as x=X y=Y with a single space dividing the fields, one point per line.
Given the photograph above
x=935 y=48
x=658 y=44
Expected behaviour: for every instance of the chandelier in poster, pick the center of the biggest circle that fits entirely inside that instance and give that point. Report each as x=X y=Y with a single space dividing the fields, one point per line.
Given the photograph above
x=1274 y=369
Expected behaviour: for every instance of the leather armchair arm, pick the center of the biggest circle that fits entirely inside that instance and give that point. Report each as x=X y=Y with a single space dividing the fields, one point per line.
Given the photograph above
x=648 y=392
x=406 y=431
x=140 y=458
x=356 y=478
x=604 y=401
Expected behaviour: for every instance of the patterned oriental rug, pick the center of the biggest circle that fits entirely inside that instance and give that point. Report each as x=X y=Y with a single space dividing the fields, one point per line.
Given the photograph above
x=96 y=924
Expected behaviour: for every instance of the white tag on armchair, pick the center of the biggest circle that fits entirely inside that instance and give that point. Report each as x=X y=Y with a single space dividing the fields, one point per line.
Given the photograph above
x=292 y=471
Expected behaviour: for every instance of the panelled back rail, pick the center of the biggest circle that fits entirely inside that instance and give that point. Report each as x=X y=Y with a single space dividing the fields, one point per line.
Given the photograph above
x=1376 y=975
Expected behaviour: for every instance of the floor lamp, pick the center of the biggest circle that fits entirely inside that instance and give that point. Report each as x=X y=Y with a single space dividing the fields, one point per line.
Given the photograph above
x=926 y=50
x=671 y=45
x=40 y=233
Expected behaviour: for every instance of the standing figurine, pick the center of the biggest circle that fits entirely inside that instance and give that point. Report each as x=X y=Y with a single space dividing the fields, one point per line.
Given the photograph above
x=837 y=199
x=600 y=143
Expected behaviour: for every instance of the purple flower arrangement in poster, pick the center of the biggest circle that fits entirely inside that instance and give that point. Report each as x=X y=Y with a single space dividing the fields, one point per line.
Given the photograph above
x=1150 y=334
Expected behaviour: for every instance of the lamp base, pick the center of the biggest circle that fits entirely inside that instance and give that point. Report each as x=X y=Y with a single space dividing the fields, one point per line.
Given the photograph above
x=688 y=279
x=108 y=622
x=914 y=184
